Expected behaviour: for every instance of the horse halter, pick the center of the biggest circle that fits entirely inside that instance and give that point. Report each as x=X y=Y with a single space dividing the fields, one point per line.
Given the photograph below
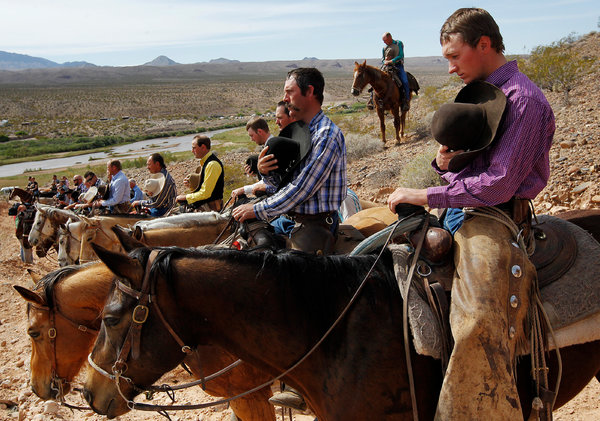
x=56 y=382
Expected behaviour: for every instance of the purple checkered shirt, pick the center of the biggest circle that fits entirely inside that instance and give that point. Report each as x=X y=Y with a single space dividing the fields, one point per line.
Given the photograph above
x=517 y=164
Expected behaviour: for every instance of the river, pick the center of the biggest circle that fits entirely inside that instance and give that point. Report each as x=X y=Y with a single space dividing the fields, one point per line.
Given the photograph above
x=127 y=151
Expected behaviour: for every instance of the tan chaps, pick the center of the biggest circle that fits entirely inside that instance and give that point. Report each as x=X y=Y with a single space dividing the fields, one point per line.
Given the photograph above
x=487 y=323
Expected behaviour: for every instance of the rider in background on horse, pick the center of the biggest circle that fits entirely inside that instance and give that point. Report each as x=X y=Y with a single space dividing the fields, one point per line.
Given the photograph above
x=393 y=60
x=208 y=183
x=487 y=196
x=164 y=198
x=119 y=190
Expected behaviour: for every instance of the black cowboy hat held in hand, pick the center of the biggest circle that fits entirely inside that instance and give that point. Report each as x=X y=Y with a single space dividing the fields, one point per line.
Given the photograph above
x=470 y=122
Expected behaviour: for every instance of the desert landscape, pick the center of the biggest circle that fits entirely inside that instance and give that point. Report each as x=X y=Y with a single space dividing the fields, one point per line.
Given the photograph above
x=373 y=172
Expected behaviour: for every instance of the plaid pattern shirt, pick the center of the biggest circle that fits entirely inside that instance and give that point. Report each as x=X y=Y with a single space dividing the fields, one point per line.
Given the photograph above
x=518 y=163
x=166 y=198
x=319 y=183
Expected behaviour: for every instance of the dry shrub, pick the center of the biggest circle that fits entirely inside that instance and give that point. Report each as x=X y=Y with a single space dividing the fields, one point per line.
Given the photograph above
x=418 y=173
x=361 y=145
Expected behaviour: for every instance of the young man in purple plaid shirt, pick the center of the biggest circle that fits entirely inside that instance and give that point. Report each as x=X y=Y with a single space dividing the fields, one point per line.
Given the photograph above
x=488 y=311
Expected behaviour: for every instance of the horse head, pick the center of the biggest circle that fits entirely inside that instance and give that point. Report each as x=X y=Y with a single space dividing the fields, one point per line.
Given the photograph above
x=360 y=78
x=62 y=327
x=118 y=352
x=69 y=243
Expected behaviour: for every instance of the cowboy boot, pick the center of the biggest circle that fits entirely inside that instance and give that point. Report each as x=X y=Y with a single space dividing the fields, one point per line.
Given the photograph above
x=289 y=398
x=371 y=102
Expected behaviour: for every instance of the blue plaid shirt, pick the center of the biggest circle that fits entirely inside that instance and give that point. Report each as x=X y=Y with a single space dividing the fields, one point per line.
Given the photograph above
x=319 y=183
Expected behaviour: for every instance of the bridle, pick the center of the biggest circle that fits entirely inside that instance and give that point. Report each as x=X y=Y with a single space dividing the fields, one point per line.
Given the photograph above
x=57 y=383
x=140 y=315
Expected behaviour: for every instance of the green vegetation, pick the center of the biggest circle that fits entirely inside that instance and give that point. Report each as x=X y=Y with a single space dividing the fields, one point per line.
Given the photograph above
x=38 y=149
x=557 y=66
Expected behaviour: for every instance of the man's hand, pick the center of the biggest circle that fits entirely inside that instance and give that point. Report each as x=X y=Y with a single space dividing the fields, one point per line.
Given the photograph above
x=181 y=198
x=186 y=181
x=404 y=195
x=235 y=193
x=259 y=188
x=244 y=212
x=388 y=62
x=135 y=203
x=266 y=163
x=444 y=156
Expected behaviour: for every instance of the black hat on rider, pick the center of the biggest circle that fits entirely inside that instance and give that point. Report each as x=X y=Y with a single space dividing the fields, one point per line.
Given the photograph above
x=470 y=122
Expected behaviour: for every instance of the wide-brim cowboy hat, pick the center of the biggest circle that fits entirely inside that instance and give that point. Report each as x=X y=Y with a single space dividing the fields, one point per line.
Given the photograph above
x=469 y=123
x=154 y=185
x=90 y=194
x=194 y=181
x=290 y=148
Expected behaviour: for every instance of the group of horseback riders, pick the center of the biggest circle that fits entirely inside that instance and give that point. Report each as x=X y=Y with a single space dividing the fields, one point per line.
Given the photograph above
x=494 y=154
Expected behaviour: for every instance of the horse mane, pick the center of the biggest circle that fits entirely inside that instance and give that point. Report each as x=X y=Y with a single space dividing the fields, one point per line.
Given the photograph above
x=311 y=280
x=46 y=284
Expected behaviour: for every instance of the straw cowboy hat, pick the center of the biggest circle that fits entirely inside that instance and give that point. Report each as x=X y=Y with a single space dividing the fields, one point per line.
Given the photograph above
x=154 y=185
x=194 y=181
x=90 y=195
x=470 y=122
x=290 y=148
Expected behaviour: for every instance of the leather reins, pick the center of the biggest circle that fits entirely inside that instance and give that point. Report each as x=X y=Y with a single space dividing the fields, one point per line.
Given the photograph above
x=140 y=315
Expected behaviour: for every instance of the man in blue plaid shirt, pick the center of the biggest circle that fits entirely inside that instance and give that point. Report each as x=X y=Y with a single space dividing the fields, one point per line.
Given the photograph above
x=318 y=185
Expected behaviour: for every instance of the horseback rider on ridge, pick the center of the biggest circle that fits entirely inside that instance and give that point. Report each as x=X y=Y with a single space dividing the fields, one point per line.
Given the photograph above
x=393 y=61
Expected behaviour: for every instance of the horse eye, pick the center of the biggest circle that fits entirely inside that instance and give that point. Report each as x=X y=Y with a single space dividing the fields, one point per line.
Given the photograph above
x=111 y=320
x=34 y=334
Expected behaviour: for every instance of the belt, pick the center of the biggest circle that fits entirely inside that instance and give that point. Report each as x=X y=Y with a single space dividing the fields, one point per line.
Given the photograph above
x=316 y=217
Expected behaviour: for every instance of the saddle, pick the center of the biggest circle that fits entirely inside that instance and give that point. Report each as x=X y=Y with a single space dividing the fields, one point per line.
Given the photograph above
x=566 y=258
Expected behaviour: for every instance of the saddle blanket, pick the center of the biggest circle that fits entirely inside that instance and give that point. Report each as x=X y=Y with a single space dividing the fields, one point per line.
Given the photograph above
x=572 y=303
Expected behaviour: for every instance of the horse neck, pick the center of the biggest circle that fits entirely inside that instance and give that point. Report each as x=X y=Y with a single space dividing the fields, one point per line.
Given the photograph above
x=81 y=296
x=377 y=79
x=262 y=307
x=189 y=236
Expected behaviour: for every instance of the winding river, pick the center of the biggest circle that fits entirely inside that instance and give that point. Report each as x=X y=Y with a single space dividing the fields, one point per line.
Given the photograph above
x=127 y=151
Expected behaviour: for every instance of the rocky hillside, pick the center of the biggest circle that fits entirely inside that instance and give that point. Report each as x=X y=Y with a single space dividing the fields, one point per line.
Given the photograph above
x=574 y=158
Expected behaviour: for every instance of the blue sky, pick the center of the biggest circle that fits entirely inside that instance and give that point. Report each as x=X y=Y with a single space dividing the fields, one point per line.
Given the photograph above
x=132 y=32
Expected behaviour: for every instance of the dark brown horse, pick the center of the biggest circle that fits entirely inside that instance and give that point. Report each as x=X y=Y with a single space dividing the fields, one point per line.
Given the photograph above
x=387 y=95
x=278 y=306
x=70 y=301
x=25 y=195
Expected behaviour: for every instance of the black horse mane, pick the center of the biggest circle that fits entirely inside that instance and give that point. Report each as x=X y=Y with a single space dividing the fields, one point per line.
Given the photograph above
x=47 y=283
x=311 y=280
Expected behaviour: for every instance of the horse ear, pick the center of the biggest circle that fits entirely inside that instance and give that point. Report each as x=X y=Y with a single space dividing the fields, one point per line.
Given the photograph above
x=34 y=276
x=29 y=295
x=120 y=264
x=125 y=237
x=364 y=63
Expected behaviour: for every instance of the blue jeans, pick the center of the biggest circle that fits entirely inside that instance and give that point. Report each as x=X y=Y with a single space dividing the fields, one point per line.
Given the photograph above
x=453 y=219
x=404 y=80
x=158 y=211
x=283 y=225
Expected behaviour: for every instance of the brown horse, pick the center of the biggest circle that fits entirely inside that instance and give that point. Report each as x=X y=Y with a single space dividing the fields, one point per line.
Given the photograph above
x=387 y=95
x=279 y=306
x=25 y=195
x=70 y=301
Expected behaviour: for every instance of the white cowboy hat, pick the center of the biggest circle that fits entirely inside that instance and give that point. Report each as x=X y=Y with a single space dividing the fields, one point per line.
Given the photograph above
x=154 y=185
x=90 y=194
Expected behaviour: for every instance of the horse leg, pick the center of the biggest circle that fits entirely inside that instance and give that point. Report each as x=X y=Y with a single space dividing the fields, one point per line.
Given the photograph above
x=398 y=124
x=381 y=116
x=403 y=122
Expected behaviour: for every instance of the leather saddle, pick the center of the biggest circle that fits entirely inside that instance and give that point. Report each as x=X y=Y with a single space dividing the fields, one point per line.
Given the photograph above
x=555 y=252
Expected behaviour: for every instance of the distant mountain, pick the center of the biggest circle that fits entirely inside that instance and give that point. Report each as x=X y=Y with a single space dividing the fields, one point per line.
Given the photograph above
x=14 y=61
x=222 y=60
x=161 y=61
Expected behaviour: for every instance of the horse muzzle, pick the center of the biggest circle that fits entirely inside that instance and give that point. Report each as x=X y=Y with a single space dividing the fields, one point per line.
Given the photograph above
x=354 y=91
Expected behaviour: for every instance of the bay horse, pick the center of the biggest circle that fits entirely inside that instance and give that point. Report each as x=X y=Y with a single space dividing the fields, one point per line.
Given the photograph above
x=279 y=305
x=387 y=95
x=25 y=195
x=66 y=304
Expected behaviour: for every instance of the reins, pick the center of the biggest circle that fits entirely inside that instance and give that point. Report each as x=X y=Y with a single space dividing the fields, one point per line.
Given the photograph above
x=144 y=296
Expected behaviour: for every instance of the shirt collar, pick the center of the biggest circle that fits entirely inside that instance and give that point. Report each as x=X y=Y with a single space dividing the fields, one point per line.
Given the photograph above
x=315 y=120
x=205 y=157
x=501 y=75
